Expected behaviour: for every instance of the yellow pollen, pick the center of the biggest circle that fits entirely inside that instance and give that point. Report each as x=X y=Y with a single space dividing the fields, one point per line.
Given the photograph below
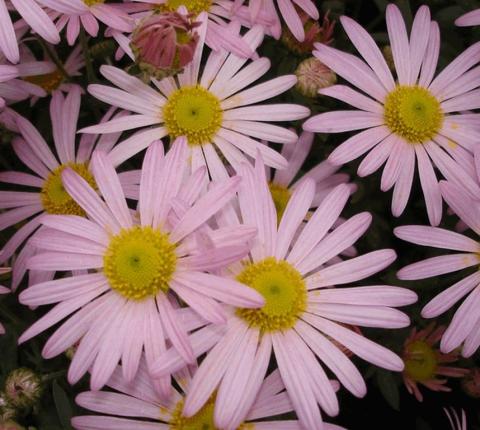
x=202 y=420
x=284 y=291
x=193 y=6
x=139 y=262
x=49 y=81
x=91 y=3
x=54 y=196
x=193 y=112
x=413 y=113
x=281 y=196
x=420 y=361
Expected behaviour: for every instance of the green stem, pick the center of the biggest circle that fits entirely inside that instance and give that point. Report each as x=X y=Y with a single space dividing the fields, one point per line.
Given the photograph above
x=53 y=56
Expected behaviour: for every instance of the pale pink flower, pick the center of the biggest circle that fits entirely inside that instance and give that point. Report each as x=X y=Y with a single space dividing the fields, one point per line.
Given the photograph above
x=48 y=196
x=412 y=120
x=282 y=182
x=87 y=14
x=140 y=265
x=14 y=85
x=469 y=19
x=302 y=308
x=224 y=22
x=425 y=365
x=455 y=421
x=34 y=16
x=465 y=325
x=138 y=399
x=214 y=110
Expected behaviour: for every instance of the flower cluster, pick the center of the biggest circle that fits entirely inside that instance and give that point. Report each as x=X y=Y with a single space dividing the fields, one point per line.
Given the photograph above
x=174 y=226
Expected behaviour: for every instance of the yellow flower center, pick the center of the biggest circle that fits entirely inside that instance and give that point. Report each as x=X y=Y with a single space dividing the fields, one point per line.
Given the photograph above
x=420 y=361
x=281 y=196
x=139 y=262
x=49 y=81
x=284 y=291
x=193 y=112
x=413 y=113
x=90 y=3
x=54 y=196
x=193 y=6
x=202 y=420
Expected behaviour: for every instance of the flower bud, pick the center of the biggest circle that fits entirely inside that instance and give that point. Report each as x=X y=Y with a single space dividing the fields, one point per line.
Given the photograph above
x=23 y=388
x=312 y=76
x=163 y=44
x=314 y=32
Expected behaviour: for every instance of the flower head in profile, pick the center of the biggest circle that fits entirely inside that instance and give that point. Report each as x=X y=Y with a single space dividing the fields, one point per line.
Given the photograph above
x=465 y=325
x=132 y=402
x=214 y=110
x=42 y=192
x=425 y=365
x=416 y=119
x=301 y=309
x=141 y=265
x=457 y=422
x=34 y=16
x=75 y=14
x=469 y=19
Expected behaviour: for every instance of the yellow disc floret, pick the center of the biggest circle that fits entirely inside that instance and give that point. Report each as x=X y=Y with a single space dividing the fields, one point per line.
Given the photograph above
x=412 y=112
x=281 y=196
x=193 y=6
x=420 y=361
x=91 y=3
x=202 y=420
x=139 y=262
x=284 y=291
x=193 y=112
x=54 y=196
x=49 y=81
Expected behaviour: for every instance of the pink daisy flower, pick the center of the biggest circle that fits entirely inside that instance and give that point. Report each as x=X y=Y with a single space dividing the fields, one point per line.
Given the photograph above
x=425 y=365
x=455 y=421
x=469 y=19
x=214 y=110
x=34 y=16
x=14 y=84
x=87 y=14
x=138 y=261
x=301 y=309
x=412 y=120
x=49 y=195
x=139 y=400
x=282 y=181
x=465 y=325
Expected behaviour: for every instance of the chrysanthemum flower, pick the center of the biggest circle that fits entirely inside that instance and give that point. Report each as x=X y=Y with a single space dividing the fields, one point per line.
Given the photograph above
x=224 y=21
x=465 y=325
x=3 y=290
x=126 y=306
x=87 y=14
x=49 y=196
x=413 y=119
x=301 y=309
x=55 y=79
x=212 y=110
x=469 y=19
x=14 y=85
x=425 y=365
x=35 y=17
x=138 y=400
x=454 y=420
x=282 y=182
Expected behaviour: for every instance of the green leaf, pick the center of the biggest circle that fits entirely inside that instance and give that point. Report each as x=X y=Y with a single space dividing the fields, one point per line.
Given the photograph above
x=62 y=404
x=389 y=388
